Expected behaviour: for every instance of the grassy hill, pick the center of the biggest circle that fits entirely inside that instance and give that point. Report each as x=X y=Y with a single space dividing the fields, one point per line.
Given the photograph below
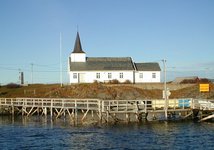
x=97 y=90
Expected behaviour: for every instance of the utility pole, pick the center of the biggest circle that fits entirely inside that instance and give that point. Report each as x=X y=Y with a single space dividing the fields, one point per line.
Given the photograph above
x=165 y=89
x=21 y=77
x=60 y=49
x=32 y=73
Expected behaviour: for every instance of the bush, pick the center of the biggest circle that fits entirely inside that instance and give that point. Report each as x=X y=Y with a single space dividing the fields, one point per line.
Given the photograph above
x=189 y=81
x=115 y=81
x=12 y=85
x=95 y=81
x=204 y=80
x=127 y=82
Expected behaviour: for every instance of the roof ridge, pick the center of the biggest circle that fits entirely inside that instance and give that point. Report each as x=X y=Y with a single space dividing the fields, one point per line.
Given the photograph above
x=108 y=58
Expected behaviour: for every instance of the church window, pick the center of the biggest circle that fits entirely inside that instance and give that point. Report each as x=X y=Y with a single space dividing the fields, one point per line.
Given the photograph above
x=121 y=75
x=74 y=75
x=153 y=75
x=109 y=75
x=98 y=75
x=141 y=75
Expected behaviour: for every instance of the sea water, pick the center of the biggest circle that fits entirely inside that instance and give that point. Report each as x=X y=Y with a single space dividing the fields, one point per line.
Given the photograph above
x=42 y=133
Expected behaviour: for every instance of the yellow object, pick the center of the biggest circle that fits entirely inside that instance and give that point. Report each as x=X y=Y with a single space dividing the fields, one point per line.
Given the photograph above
x=204 y=87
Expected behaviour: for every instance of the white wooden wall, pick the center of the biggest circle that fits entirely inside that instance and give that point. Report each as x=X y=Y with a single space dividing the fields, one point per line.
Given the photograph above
x=147 y=77
x=91 y=76
x=78 y=57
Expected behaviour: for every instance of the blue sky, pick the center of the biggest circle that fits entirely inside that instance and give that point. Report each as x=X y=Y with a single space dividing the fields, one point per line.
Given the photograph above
x=180 y=31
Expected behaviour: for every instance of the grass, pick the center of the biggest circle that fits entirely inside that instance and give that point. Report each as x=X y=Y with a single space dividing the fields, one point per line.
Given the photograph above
x=98 y=90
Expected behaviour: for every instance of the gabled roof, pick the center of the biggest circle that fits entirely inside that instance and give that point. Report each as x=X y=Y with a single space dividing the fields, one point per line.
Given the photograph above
x=103 y=64
x=78 y=46
x=147 y=67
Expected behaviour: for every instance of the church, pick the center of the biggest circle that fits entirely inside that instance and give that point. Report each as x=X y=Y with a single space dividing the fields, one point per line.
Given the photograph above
x=84 y=69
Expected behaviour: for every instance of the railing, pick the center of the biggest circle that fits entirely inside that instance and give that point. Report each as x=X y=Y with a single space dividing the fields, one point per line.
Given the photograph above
x=204 y=104
x=52 y=103
x=120 y=106
x=117 y=106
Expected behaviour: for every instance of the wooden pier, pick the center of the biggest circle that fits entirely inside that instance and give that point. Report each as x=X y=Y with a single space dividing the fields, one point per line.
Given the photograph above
x=77 y=110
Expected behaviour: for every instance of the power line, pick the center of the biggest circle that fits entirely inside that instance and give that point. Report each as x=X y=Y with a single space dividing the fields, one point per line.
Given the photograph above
x=8 y=68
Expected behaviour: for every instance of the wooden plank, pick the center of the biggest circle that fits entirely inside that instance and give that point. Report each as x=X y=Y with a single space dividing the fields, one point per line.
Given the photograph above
x=207 y=118
x=187 y=115
x=85 y=115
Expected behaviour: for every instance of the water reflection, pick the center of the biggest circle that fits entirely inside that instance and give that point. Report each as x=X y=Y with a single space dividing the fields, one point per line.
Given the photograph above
x=43 y=133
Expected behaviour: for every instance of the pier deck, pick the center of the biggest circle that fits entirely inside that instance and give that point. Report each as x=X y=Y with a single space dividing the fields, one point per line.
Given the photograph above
x=105 y=110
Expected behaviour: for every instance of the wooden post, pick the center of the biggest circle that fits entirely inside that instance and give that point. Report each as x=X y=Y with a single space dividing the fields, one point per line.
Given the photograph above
x=85 y=114
x=64 y=113
x=12 y=110
x=103 y=106
x=45 y=111
x=146 y=106
x=107 y=114
x=99 y=110
x=192 y=104
x=92 y=114
x=76 y=112
x=51 y=109
x=174 y=104
x=127 y=117
x=38 y=111
x=117 y=105
x=23 y=111
x=154 y=116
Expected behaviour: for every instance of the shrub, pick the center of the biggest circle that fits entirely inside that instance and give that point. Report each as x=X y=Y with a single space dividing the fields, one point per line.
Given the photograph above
x=115 y=81
x=95 y=81
x=12 y=85
x=189 y=81
x=127 y=82
x=204 y=80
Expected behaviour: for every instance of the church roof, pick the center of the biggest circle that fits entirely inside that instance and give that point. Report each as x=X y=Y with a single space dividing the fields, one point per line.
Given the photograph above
x=103 y=64
x=112 y=64
x=78 y=46
x=147 y=66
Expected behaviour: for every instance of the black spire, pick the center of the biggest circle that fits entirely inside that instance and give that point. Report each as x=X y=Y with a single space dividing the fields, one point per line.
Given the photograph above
x=77 y=46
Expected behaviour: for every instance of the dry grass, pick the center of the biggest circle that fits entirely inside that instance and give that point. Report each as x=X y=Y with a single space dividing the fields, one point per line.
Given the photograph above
x=193 y=92
x=101 y=91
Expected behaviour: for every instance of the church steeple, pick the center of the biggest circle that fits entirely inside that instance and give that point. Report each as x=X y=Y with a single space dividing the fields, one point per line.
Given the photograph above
x=78 y=55
x=78 y=46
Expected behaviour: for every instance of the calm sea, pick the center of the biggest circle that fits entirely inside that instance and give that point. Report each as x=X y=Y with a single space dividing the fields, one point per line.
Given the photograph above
x=40 y=133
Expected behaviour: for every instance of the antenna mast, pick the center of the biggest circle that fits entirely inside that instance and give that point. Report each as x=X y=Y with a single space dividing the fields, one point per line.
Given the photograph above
x=60 y=55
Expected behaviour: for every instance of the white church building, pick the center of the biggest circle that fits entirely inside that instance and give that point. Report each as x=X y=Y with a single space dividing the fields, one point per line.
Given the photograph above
x=84 y=69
